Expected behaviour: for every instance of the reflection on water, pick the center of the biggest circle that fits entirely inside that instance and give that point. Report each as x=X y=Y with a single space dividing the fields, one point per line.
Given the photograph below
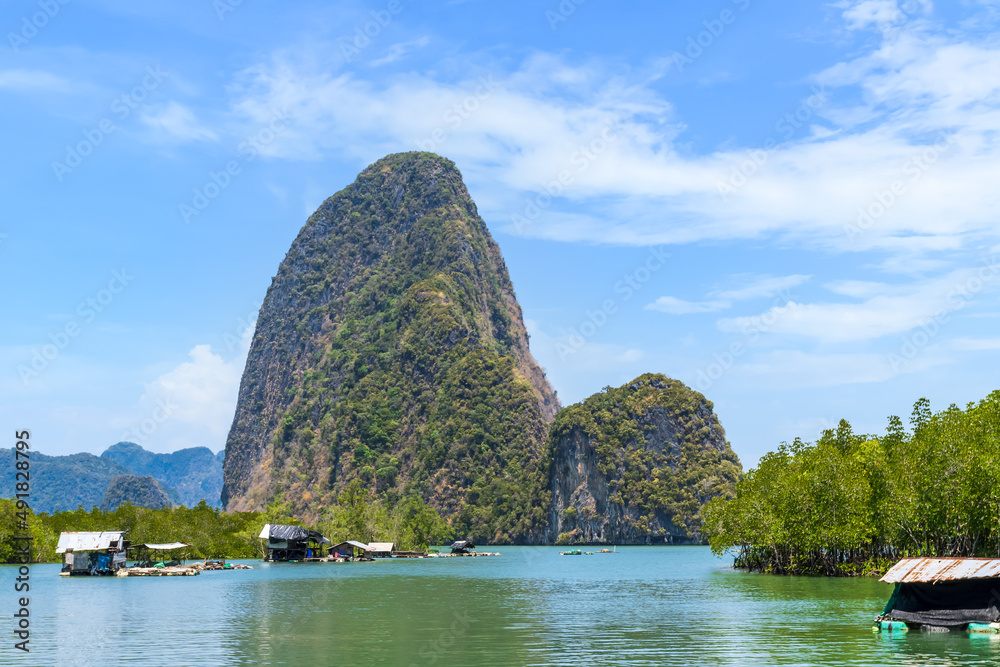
x=641 y=606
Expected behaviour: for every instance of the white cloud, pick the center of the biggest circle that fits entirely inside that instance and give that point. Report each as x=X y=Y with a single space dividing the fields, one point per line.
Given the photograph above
x=861 y=289
x=886 y=309
x=751 y=287
x=758 y=287
x=178 y=122
x=796 y=369
x=189 y=406
x=675 y=306
x=879 y=13
x=628 y=182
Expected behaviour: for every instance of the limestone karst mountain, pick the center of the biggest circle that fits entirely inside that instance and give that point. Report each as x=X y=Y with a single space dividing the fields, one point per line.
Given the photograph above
x=635 y=465
x=390 y=349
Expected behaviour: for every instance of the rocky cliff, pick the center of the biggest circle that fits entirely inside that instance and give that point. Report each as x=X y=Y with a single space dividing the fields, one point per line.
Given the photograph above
x=390 y=349
x=635 y=465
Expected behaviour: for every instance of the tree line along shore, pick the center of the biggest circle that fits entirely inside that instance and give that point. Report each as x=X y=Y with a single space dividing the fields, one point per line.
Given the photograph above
x=847 y=505
x=215 y=534
x=853 y=505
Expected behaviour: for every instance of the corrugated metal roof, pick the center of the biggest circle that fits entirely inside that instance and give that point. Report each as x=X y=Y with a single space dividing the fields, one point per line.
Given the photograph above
x=934 y=570
x=381 y=546
x=92 y=541
x=359 y=545
x=166 y=547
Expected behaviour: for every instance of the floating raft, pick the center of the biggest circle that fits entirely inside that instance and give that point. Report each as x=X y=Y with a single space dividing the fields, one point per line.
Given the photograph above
x=899 y=626
x=468 y=555
x=158 y=572
x=217 y=566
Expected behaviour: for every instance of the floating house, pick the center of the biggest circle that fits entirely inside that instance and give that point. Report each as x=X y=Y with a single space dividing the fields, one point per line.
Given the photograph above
x=381 y=549
x=92 y=553
x=939 y=594
x=351 y=549
x=462 y=547
x=292 y=543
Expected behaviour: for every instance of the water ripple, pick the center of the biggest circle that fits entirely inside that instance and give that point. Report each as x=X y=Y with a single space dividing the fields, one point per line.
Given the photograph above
x=642 y=606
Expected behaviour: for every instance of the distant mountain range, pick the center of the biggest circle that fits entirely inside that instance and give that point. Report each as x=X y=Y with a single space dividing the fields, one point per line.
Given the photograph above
x=192 y=474
x=61 y=483
x=141 y=491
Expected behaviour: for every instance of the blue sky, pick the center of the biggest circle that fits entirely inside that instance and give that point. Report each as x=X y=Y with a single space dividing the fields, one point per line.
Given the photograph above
x=789 y=206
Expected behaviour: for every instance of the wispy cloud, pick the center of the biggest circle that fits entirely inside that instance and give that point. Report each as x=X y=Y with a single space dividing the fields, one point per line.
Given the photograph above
x=34 y=81
x=750 y=287
x=400 y=51
x=177 y=122
x=675 y=306
x=885 y=309
x=976 y=344
x=759 y=287
x=881 y=14
x=791 y=369
x=915 y=88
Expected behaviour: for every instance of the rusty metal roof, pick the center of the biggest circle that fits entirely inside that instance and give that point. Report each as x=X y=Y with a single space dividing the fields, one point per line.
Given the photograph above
x=89 y=541
x=934 y=570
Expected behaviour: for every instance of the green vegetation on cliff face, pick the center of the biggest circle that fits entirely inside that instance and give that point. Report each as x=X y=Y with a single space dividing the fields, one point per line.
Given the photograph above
x=636 y=464
x=853 y=504
x=390 y=350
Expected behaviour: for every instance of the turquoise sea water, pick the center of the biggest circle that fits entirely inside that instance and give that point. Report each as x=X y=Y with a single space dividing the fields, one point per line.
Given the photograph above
x=530 y=606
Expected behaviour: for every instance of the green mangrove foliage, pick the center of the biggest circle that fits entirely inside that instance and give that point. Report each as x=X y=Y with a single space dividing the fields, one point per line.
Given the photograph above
x=212 y=533
x=853 y=504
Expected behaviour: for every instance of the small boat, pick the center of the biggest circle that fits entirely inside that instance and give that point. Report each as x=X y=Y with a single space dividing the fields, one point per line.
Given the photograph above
x=609 y=551
x=576 y=552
